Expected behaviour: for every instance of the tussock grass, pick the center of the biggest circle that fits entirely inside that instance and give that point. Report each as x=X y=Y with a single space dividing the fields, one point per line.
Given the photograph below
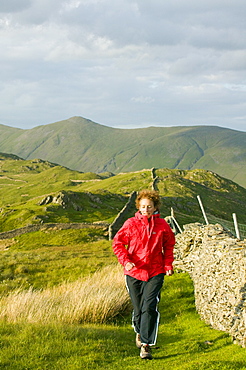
x=97 y=298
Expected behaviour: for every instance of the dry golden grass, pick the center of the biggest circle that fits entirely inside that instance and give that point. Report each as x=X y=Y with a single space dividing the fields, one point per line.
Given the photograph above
x=95 y=299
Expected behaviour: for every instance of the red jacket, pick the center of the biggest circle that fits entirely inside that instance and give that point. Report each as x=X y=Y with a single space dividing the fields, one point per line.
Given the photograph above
x=149 y=246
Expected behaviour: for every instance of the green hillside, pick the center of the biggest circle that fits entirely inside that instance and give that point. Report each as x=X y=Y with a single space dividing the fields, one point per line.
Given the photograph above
x=84 y=145
x=39 y=269
x=37 y=192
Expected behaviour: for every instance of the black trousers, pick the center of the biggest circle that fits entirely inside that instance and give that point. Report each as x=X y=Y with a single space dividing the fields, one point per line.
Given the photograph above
x=145 y=296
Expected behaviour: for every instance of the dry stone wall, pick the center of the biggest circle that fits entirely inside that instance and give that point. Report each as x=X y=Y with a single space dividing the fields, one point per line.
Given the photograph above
x=216 y=262
x=122 y=215
x=154 y=179
x=59 y=226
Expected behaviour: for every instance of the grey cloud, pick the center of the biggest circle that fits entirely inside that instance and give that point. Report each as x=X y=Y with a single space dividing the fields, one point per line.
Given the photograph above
x=14 y=6
x=35 y=12
x=202 y=23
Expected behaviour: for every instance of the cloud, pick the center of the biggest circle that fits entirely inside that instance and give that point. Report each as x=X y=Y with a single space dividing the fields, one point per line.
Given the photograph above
x=125 y=63
x=143 y=99
x=14 y=6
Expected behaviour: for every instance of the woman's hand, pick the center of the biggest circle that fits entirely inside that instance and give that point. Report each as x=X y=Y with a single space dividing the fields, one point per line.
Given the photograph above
x=129 y=266
x=169 y=272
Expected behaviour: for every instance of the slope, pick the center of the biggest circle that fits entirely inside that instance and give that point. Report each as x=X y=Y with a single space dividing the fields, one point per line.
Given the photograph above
x=84 y=145
x=37 y=192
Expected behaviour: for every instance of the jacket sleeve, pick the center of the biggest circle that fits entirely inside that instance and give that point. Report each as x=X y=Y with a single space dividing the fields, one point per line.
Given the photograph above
x=168 y=246
x=120 y=242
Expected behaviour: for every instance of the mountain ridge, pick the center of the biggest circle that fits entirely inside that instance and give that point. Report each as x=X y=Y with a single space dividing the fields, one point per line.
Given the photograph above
x=83 y=145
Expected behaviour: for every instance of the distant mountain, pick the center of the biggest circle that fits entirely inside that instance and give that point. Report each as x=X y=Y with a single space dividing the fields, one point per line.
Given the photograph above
x=83 y=145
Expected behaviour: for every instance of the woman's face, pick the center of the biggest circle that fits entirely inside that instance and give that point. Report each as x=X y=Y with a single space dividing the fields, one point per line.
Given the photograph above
x=146 y=207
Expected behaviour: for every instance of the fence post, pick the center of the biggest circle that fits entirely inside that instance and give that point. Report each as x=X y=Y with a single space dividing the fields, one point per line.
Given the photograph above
x=236 y=225
x=175 y=221
x=203 y=212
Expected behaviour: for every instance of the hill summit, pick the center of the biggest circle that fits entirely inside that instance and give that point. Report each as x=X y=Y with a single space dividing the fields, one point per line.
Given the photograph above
x=83 y=145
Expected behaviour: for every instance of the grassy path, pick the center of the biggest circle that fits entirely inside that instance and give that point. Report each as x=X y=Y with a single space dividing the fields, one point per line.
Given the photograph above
x=184 y=341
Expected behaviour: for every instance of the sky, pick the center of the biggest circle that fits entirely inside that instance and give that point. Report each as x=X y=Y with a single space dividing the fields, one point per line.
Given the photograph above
x=123 y=63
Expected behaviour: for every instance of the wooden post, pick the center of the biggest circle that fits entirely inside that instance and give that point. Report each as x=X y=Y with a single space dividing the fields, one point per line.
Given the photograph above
x=236 y=225
x=203 y=212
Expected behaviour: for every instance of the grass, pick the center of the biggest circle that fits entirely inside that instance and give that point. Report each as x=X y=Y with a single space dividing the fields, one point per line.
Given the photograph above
x=91 y=208
x=184 y=341
x=47 y=266
x=47 y=258
x=50 y=331
x=121 y=183
x=94 y=299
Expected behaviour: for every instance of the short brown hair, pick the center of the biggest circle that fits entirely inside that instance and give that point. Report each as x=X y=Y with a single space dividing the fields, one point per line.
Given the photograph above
x=149 y=194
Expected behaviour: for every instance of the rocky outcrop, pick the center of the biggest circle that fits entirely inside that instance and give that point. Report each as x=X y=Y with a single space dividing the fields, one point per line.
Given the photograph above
x=64 y=199
x=216 y=262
